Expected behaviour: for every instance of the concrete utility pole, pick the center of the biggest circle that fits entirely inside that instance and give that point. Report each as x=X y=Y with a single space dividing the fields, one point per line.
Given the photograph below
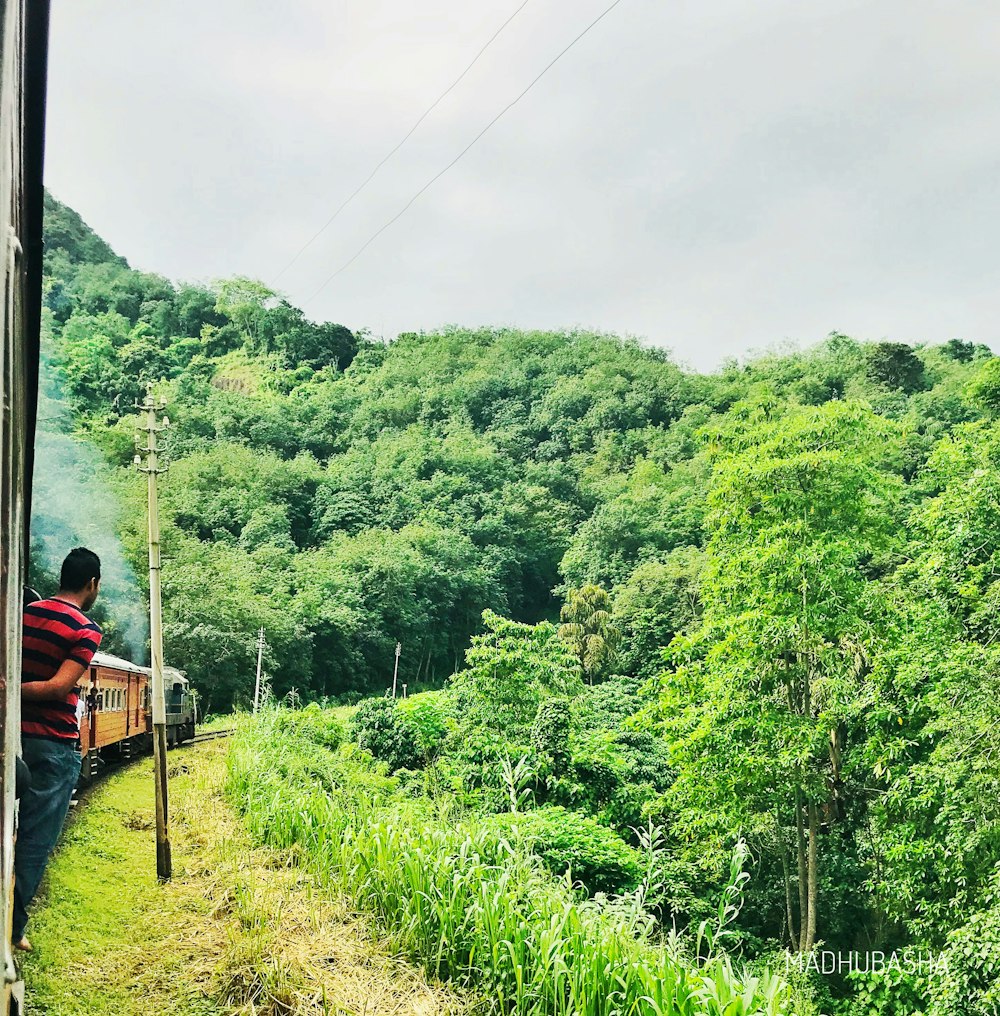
x=395 y=669
x=150 y=408
x=260 y=658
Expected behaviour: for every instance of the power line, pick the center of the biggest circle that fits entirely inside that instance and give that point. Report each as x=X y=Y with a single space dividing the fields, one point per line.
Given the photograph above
x=347 y=264
x=406 y=137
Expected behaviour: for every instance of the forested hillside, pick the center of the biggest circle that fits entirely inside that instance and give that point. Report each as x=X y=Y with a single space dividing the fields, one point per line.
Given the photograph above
x=814 y=535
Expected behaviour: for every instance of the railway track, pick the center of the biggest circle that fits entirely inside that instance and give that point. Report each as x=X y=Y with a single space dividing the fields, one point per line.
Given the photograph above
x=109 y=766
x=210 y=735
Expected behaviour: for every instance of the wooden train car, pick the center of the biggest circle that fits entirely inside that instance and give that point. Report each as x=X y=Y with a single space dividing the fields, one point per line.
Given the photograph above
x=23 y=58
x=116 y=718
x=114 y=711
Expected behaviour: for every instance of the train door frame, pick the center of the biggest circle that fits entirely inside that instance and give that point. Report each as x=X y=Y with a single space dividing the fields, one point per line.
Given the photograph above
x=11 y=497
x=24 y=30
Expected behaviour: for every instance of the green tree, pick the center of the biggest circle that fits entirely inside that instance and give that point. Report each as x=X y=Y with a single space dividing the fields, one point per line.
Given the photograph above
x=510 y=669
x=589 y=631
x=246 y=303
x=660 y=600
x=655 y=512
x=894 y=365
x=757 y=702
x=984 y=388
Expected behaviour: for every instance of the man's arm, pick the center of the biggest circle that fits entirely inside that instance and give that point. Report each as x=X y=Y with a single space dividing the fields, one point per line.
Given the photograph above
x=56 y=687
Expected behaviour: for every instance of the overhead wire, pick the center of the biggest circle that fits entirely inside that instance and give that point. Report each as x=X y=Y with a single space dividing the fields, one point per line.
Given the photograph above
x=437 y=176
x=406 y=137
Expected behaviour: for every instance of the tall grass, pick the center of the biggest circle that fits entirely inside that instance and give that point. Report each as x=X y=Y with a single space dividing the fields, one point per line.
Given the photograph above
x=470 y=905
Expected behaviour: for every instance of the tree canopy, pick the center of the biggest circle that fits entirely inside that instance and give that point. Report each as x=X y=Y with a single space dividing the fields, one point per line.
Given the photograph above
x=760 y=602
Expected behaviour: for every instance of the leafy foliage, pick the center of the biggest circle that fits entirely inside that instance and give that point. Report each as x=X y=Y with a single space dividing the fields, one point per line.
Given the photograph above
x=313 y=724
x=589 y=630
x=376 y=726
x=568 y=841
x=510 y=669
x=471 y=906
x=812 y=533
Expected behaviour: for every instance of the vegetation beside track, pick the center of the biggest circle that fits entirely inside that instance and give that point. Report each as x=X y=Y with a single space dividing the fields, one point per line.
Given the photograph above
x=471 y=903
x=813 y=537
x=237 y=932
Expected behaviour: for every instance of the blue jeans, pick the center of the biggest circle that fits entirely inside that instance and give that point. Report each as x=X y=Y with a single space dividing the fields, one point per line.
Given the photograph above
x=55 y=768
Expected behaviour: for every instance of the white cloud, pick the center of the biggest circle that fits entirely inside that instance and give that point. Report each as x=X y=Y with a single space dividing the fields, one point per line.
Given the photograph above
x=714 y=176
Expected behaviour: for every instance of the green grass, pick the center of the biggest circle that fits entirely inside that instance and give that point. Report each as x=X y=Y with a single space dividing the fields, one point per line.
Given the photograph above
x=472 y=906
x=220 y=721
x=102 y=932
x=238 y=931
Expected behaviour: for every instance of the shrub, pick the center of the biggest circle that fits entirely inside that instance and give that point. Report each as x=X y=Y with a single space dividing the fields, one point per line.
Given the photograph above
x=377 y=727
x=607 y=706
x=888 y=992
x=425 y=717
x=970 y=985
x=473 y=766
x=320 y=726
x=598 y=770
x=550 y=731
x=566 y=840
x=472 y=907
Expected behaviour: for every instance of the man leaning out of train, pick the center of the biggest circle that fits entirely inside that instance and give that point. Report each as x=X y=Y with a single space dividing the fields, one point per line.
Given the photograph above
x=59 y=641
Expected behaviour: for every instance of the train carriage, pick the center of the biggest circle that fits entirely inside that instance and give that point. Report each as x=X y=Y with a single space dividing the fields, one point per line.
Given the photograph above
x=116 y=718
x=115 y=714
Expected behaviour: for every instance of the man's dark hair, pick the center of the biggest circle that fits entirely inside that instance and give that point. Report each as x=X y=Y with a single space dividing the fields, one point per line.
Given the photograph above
x=81 y=565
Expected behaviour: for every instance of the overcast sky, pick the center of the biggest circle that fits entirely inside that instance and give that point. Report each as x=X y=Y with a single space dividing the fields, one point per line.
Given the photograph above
x=715 y=176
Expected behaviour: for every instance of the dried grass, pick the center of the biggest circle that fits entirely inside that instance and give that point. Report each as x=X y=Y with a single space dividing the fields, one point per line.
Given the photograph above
x=278 y=946
x=239 y=930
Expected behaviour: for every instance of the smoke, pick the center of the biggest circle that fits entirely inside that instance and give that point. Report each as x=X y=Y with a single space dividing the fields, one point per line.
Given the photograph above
x=73 y=505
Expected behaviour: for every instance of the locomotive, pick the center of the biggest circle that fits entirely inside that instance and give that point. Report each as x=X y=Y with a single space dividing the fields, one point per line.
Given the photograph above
x=115 y=714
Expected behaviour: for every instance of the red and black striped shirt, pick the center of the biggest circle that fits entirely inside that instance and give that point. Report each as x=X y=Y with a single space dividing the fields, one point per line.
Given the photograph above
x=54 y=631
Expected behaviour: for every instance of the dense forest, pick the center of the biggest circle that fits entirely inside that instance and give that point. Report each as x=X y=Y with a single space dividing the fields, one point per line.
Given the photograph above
x=760 y=602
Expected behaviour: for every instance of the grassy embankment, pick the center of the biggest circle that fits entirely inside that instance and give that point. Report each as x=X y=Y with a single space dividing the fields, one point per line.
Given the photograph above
x=239 y=930
x=469 y=904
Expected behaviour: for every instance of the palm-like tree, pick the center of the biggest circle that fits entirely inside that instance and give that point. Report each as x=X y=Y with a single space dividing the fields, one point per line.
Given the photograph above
x=589 y=631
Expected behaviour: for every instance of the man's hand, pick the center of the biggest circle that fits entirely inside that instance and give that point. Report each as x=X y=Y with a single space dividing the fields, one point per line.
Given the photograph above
x=57 y=687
